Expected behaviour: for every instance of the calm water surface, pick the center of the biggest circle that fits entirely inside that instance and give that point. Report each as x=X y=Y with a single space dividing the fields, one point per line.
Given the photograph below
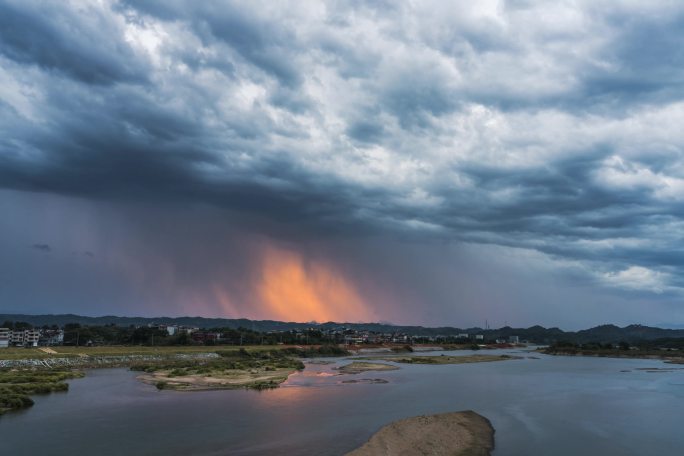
x=550 y=405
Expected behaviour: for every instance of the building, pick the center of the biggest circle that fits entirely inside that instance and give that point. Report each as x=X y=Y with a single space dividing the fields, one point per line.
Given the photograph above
x=24 y=338
x=351 y=339
x=17 y=338
x=5 y=335
x=514 y=339
x=51 y=337
x=479 y=337
x=204 y=336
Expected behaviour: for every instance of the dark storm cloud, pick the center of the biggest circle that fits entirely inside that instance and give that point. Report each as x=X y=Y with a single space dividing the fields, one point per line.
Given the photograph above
x=42 y=247
x=648 y=56
x=473 y=123
x=57 y=38
x=264 y=43
x=365 y=131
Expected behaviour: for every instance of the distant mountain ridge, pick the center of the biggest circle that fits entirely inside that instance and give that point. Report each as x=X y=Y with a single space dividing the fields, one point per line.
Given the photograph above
x=539 y=334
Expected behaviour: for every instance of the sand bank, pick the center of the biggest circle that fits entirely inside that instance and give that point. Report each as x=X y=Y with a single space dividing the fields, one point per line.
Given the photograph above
x=444 y=359
x=358 y=367
x=226 y=379
x=458 y=433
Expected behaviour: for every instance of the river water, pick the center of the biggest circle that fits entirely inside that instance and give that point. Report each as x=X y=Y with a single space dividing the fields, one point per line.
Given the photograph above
x=543 y=406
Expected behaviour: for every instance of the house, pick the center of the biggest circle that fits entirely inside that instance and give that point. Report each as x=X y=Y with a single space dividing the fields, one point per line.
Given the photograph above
x=351 y=339
x=51 y=337
x=204 y=336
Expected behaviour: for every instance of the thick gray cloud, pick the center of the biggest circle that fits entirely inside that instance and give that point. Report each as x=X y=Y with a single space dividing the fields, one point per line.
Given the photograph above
x=57 y=38
x=550 y=130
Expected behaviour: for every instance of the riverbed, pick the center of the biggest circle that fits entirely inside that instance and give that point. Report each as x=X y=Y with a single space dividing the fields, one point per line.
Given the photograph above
x=539 y=404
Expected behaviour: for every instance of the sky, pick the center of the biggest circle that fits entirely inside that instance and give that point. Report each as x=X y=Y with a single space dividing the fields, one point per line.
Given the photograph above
x=434 y=163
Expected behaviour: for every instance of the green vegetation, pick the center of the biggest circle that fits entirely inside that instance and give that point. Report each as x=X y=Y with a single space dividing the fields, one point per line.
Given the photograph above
x=16 y=385
x=403 y=349
x=182 y=367
x=76 y=334
x=256 y=369
x=23 y=353
x=443 y=359
x=358 y=367
x=133 y=350
x=315 y=352
x=234 y=359
x=672 y=349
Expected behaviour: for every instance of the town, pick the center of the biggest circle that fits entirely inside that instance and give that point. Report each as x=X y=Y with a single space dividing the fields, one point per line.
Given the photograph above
x=24 y=338
x=21 y=334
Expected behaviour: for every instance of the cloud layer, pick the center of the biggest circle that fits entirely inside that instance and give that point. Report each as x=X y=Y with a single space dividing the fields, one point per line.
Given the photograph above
x=545 y=129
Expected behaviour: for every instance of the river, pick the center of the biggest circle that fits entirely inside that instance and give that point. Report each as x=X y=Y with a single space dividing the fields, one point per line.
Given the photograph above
x=548 y=405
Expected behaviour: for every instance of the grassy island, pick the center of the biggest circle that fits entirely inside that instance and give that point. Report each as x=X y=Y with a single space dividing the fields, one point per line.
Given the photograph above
x=358 y=367
x=241 y=369
x=16 y=385
x=623 y=350
x=444 y=359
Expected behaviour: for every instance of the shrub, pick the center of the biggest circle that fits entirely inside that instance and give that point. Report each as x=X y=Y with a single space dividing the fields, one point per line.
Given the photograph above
x=16 y=385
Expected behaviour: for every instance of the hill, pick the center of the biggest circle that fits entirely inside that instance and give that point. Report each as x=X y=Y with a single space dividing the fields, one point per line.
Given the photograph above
x=536 y=334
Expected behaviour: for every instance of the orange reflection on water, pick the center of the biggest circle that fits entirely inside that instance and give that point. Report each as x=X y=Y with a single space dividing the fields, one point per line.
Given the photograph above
x=294 y=289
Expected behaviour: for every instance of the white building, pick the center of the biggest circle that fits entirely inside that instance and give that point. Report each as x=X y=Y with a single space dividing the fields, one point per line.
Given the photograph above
x=5 y=335
x=51 y=337
x=479 y=337
x=24 y=338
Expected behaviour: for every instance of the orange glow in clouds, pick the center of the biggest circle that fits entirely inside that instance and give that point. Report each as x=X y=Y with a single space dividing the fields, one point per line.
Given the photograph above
x=293 y=289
